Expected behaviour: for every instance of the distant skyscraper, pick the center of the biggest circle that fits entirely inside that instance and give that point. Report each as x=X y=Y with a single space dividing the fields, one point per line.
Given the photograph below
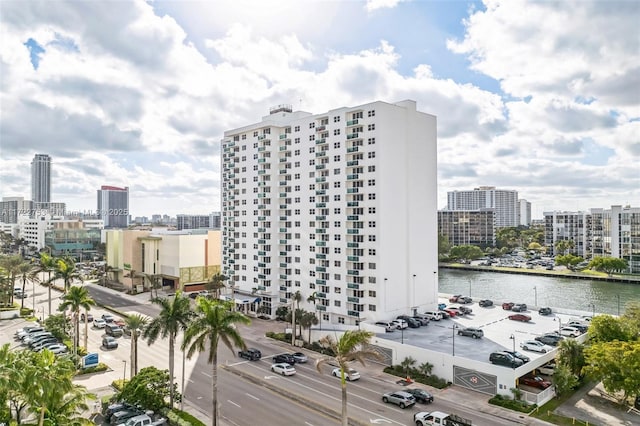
x=41 y=178
x=504 y=201
x=113 y=206
x=524 y=212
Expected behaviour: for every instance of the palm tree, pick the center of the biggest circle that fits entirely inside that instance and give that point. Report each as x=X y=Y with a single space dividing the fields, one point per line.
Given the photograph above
x=297 y=298
x=66 y=270
x=48 y=264
x=174 y=316
x=214 y=321
x=26 y=272
x=346 y=349
x=11 y=264
x=308 y=320
x=571 y=354
x=216 y=283
x=136 y=323
x=75 y=299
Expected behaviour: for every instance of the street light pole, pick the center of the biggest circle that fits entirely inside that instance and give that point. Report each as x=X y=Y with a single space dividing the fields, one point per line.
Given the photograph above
x=182 y=386
x=535 y=291
x=453 y=340
x=512 y=337
x=124 y=372
x=413 y=302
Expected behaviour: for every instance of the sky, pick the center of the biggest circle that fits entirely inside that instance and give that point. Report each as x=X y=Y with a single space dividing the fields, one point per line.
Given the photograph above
x=540 y=97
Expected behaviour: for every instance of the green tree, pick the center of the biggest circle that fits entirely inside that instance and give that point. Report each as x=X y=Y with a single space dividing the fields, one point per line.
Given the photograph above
x=536 y=246
x=609 y=265
x=150 y=389
x=466 y=253
x=616 y=364
x=631 y=318
x=11 y=265
x=215 y=284
x=136 y=324
x=58 y=325
x=605 y=328
x=508 y=238
x=443 y=245
x=308 y=320
x=214 y=322
x=75 y=299
x=563 y=246
x=407 y=364
x=571 y=355
x=48 y=264
x=564 y=379
x=569 y=260
x=66 y=271
x=282 y=312
x=295 y=302
x=426 y=368
x=174 y=317
x=26 y=273
x=346 y=349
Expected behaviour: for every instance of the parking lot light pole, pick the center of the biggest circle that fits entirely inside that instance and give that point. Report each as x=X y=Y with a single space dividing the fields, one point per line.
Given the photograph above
x=124 y=372
x=453 y=339
x=512 y=337
x=535 y=291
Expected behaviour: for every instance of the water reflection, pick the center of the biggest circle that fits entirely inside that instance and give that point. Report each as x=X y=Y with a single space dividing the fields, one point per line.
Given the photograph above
x=550 y=291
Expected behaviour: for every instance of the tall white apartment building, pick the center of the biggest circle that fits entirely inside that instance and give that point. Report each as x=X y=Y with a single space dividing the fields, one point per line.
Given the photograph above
x=524 y=212
x=568 y=226
x=503 y=201
x=113 y=206
x=41 y=178
x=340 y=206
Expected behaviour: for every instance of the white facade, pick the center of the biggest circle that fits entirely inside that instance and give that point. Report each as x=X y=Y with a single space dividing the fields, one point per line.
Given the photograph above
x=340 y=206
x=34 y=230
x=524 y=212
x=503 y=201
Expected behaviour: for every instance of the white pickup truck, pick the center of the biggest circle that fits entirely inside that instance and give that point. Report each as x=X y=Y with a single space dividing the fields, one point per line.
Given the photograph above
x=438 y=418
x=143 y=420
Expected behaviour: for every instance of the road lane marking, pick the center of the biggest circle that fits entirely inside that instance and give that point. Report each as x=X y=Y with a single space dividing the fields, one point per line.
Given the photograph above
x=254 y=397
x=307 y=423
x=231 y=402
x=208 y=375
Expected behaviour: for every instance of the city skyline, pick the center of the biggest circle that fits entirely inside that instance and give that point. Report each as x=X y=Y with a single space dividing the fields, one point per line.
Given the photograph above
x=132 y=94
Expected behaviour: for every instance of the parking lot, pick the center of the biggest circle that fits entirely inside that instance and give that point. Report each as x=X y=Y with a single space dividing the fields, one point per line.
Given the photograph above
x=500 y=333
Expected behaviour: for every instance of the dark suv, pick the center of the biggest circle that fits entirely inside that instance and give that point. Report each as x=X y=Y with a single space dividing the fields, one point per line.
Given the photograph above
x=252 y=354
x=289 y=359
x=476 y=333
x=503 y=358
x=550 y=339
x=545 y=311
x=113 y=330
x=411 y=322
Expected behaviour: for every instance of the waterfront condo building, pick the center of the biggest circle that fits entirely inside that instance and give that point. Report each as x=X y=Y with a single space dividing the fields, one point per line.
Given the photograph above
x=503 y=201
x=338 y=206
x=468 y=227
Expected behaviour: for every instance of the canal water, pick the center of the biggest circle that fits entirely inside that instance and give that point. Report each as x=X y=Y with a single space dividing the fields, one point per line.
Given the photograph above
x=608 y=297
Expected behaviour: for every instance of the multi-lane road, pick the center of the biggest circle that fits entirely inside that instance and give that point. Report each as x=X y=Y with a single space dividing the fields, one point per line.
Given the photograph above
x=249 y=393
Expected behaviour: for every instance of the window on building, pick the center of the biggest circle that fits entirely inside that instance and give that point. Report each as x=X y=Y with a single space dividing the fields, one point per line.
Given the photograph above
x=372 y=252
x=336 y=250
x=371 y=127
x=372 y=210
x=340 y=320
x=336 y=119
x=296 y=129
x=336 y=171
x=371 y=141
x=371 y=154
x=372 y=196
x=371 y=182
x=336 y=211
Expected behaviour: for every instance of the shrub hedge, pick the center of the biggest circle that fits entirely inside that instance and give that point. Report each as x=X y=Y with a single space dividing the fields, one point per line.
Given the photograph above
x=512 y=404
x=417 y=376
x=182 y=418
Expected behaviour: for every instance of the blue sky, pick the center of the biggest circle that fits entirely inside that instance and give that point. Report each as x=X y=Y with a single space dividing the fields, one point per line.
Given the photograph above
x=540 y=97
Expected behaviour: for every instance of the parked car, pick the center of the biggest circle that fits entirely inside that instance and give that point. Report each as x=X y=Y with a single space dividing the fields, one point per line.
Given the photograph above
x=505 y=359
x=474 y=332
x=547 y=369
x=451 y=312
x=535 y=346
x=99 y=323
x=443 y=313
x=465 y=310
x=388 y=327
x=551 y=339
x=583 y=327
x=88 y=316
x=113 y=330
x=350 y=374
x=545 y=311
x=454 y=298
x=519 y=317
x=485 y=303
x=410 y=321
x=109 y=342
x=463 y=300
x=300 y=357
x=284 y=358
x=519 y=355
x=120 y=417
x=36 y=337
x=441 y=306
x=108 y=317
x=420 y=395
x=519 y=307
x=36 y=346
x=535 y=381
x=27 y=330
x=507 y=306
x=283 y=368
x=422 y=319
x=400 y=398
x=56 y=349
x=570 y=332
x=400 y=324
x=433 y=316
x=252 y=354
